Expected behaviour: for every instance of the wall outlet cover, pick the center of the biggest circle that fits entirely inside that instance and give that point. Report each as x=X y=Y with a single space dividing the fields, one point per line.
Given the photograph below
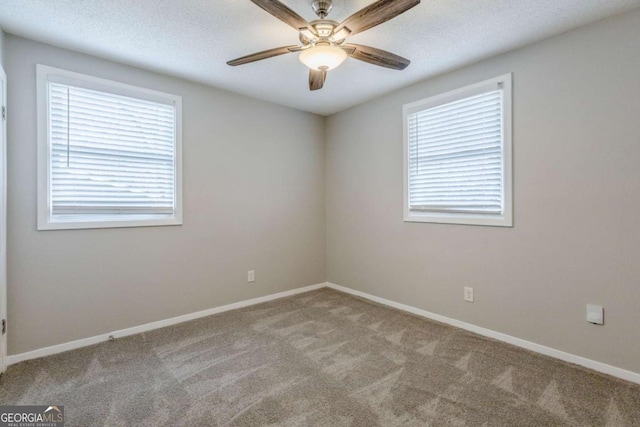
x=468 y=294
x=595 y=314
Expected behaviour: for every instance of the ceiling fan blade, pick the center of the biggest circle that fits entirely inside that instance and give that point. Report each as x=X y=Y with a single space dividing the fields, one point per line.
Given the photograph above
x=283 y=13
x=375 y=14
x=316 y=79
x=261 y=55
x=377 y=56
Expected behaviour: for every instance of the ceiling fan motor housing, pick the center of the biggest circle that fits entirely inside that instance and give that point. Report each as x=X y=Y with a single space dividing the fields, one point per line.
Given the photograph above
x=322 y=7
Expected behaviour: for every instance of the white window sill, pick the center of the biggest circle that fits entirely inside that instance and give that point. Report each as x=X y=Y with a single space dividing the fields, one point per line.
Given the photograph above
x=460 y=219
x=75 y=222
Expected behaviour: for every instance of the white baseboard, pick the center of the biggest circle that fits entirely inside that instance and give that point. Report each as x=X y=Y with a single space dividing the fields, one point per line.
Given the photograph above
x=538 y=348
x=59 y=348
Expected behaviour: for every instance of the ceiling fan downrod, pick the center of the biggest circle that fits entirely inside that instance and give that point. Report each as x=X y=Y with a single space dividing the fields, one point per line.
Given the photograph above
x=322 y=7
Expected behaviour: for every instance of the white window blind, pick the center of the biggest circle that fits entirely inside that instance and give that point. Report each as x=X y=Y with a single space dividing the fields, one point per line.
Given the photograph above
x=110 y=154
x=457 y=156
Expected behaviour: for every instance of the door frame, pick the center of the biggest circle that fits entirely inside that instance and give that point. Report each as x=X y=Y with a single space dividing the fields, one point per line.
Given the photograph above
x=3 y=218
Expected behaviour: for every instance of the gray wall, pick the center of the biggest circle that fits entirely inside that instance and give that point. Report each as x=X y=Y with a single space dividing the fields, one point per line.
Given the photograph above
x=253 y=199
x=576 y=238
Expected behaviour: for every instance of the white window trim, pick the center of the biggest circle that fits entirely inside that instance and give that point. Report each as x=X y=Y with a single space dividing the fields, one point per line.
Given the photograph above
x=46 y=74
x=504 y=220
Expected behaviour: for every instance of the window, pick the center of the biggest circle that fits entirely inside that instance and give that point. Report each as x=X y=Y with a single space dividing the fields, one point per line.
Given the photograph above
x=109 y=154
x=457 y=156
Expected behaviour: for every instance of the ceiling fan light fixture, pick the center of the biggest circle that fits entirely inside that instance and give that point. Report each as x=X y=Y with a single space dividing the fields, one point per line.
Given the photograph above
x=322 y=42
x=323 y=57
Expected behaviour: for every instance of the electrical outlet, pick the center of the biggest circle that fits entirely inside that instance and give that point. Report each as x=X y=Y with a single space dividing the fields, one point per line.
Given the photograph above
x=251 y=276
x=468 y=294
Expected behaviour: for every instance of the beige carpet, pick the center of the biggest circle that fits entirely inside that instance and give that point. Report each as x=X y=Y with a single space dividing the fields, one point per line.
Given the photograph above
x=322 y=358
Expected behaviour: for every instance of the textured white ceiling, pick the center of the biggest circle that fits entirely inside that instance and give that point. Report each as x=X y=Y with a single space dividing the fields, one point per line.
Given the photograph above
x=194 y=39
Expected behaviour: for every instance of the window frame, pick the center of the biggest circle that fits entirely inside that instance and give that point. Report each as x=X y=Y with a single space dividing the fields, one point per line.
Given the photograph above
x=502 y=220
x=45 y=220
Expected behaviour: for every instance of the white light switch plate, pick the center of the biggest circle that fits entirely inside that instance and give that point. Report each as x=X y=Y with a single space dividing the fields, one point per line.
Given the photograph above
x=595 y=314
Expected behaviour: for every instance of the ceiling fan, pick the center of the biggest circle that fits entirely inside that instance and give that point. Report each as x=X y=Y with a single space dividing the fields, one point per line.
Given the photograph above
x=322 y=41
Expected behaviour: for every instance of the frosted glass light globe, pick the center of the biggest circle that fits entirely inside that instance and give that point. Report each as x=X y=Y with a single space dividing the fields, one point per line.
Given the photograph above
x=323 y=57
